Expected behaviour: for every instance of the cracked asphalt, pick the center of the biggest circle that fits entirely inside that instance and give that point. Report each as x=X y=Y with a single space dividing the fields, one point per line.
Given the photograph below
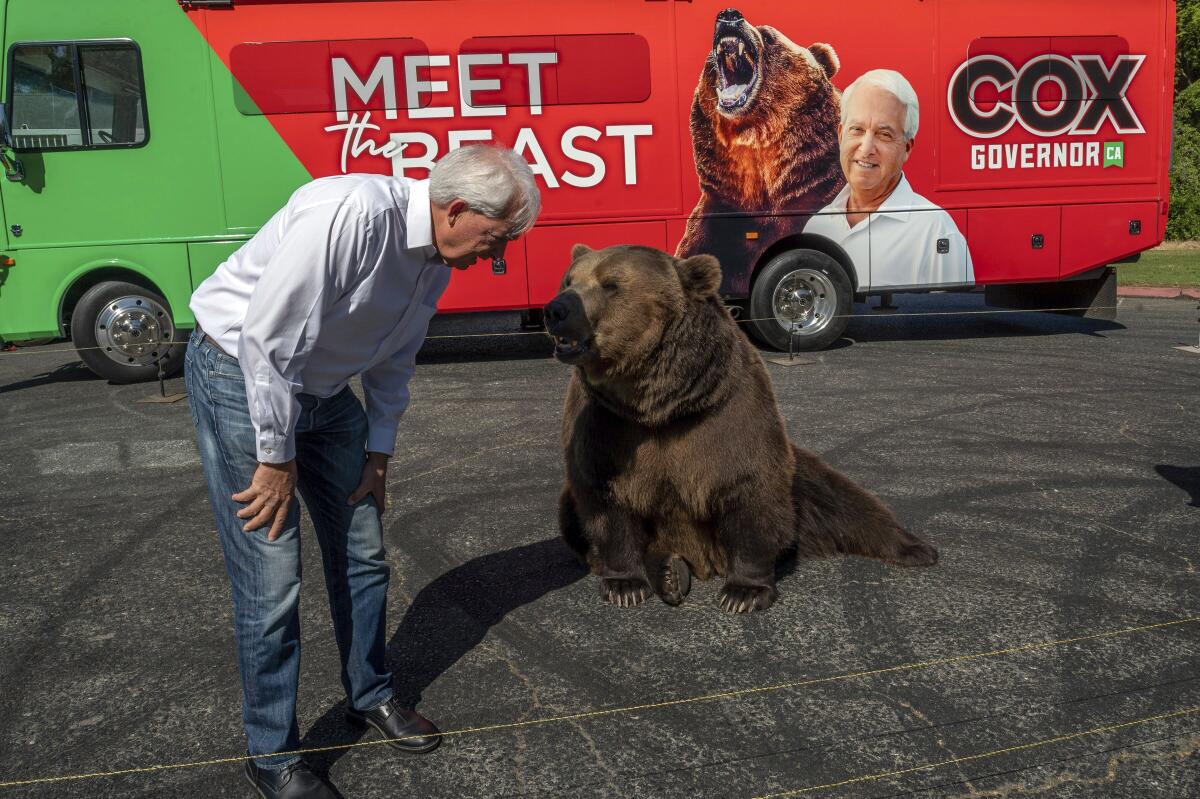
x=1052 y=460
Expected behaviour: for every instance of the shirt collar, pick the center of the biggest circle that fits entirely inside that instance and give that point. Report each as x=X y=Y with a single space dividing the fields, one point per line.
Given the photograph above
x=843 y=197
x=418 y=219
x=898 y=204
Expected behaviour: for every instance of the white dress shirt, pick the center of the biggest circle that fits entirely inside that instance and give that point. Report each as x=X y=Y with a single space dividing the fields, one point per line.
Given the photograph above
x=896 y=246
x=342 y=280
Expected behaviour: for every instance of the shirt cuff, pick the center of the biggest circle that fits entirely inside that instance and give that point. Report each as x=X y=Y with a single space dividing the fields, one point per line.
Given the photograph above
x=272 y=449
x=382 y=438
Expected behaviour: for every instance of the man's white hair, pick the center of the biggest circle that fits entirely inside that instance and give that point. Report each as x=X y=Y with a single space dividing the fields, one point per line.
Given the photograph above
x=898 y=86
x=493 y=181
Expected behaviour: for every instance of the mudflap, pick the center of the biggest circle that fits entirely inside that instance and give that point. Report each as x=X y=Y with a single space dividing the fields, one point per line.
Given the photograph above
x=1092 y=295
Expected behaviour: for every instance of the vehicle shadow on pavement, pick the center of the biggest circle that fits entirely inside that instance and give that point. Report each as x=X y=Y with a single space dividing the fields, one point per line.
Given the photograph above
x=949 y=327
x=66 y=373
x=449 y=618
x=1186 y=477
x=487 y=347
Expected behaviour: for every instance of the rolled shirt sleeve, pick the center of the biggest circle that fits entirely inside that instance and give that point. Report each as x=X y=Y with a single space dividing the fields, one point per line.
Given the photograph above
x=312 y=265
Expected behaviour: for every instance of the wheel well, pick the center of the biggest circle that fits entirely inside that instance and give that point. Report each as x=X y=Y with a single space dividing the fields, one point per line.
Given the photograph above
x=807 y=241
x=89 y=279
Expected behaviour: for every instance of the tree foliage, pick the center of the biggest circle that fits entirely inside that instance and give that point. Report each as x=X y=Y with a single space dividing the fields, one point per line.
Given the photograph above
x=1184 y=222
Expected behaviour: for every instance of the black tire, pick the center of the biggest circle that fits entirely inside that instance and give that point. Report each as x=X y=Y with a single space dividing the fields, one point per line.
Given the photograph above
x=820 y=306
x=119 y=328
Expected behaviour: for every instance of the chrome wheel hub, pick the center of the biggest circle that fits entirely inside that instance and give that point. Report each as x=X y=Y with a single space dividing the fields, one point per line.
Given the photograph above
x=134 y=331
x=804 y=302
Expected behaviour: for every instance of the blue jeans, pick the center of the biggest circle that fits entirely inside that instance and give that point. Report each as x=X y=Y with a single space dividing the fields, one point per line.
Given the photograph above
x=265 y=575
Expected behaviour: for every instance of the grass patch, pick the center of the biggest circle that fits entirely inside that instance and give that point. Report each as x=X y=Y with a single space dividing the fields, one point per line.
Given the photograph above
x=1171 y=268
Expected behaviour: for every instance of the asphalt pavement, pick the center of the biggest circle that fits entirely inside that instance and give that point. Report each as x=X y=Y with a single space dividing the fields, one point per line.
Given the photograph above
x=1053 y=652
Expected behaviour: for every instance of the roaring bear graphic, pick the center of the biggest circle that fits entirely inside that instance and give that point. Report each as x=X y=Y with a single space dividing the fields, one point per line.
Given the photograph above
x=764 y=135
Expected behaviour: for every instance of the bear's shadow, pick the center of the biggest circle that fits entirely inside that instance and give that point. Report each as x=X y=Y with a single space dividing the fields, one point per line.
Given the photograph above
x=452 y=615
x=1185 y=477
x=449 y=618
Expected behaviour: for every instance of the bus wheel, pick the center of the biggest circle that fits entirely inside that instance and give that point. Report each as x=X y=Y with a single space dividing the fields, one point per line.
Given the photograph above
x=122 y=331
x=803 y=296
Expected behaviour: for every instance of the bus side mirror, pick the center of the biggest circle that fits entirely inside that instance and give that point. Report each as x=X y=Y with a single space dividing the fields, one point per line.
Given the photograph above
x=8 y=157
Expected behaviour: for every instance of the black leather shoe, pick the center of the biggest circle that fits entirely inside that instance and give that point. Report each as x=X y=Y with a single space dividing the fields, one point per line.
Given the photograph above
x=407 y=730
x=292 y=782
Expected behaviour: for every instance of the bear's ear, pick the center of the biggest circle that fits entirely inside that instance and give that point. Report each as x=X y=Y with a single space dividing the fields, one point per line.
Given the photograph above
x=826 y=58
x=700 y=276
x=578 y=251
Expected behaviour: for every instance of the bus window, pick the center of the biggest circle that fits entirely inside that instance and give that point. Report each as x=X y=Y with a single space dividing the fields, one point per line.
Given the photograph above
x=112 y=80
x=45 y=103
x=55 y=87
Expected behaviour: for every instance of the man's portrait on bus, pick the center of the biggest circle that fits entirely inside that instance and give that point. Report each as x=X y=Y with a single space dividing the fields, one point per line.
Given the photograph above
x=896 y=237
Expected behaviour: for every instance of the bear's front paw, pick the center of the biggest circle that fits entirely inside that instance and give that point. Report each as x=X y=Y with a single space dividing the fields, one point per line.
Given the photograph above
x=624 y=592
x=674 y=580
x=738 y=598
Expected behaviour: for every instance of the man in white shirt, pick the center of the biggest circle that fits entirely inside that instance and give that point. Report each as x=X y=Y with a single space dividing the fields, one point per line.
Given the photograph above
x=340 y=282
x=895 y=237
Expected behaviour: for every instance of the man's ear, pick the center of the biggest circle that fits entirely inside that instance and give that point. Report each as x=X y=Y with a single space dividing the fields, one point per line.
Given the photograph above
x=700 y=276
x=454 y=210
x=578 y=251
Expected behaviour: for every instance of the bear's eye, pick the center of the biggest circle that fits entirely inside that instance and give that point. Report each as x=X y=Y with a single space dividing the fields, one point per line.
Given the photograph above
x=610 y=286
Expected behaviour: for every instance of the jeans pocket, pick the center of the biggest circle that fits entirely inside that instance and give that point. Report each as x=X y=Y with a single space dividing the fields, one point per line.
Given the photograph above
x=225 y=365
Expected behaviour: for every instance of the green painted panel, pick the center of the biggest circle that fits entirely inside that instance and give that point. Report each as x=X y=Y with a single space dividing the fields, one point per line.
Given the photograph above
x=205 y=257
x=49 y=273
x=259 y=171
x=206 y=171
x=167 y=188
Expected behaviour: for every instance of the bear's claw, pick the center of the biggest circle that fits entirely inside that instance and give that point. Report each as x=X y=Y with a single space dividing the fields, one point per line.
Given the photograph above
x=675 y=580
x=624 y=592
x=737 y=598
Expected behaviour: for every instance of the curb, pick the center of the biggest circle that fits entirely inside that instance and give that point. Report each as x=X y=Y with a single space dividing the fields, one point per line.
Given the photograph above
x=1158 y=293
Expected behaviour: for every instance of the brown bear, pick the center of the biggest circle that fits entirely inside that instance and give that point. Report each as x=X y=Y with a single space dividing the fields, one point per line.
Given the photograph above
x=764 y=136
x=677 y=458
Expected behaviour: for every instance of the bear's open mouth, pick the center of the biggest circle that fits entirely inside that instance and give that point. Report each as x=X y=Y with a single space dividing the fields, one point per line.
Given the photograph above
x=737 y=70
x=570 y=349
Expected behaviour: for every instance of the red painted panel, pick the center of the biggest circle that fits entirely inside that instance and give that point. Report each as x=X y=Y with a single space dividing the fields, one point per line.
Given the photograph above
x=623 y=59
x=1093 y=235
x=514 y=78
x=293 y=77
x=550 y=249
x=611 y=139
x=477 y=289
x=606 y=149
x=1001 y=246
x=959 y=215
x=1060 y=161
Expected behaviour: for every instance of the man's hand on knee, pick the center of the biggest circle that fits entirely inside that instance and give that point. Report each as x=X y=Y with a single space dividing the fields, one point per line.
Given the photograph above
x=269 y=497
x=373 y=482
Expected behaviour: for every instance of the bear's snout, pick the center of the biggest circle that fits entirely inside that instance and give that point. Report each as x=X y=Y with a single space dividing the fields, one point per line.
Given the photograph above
x=729 y=23
x=567 y=322
x=730 y=16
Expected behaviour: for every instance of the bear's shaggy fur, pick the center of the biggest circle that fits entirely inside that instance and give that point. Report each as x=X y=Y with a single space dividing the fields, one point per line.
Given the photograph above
x=764 y=136
x=677 y=459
